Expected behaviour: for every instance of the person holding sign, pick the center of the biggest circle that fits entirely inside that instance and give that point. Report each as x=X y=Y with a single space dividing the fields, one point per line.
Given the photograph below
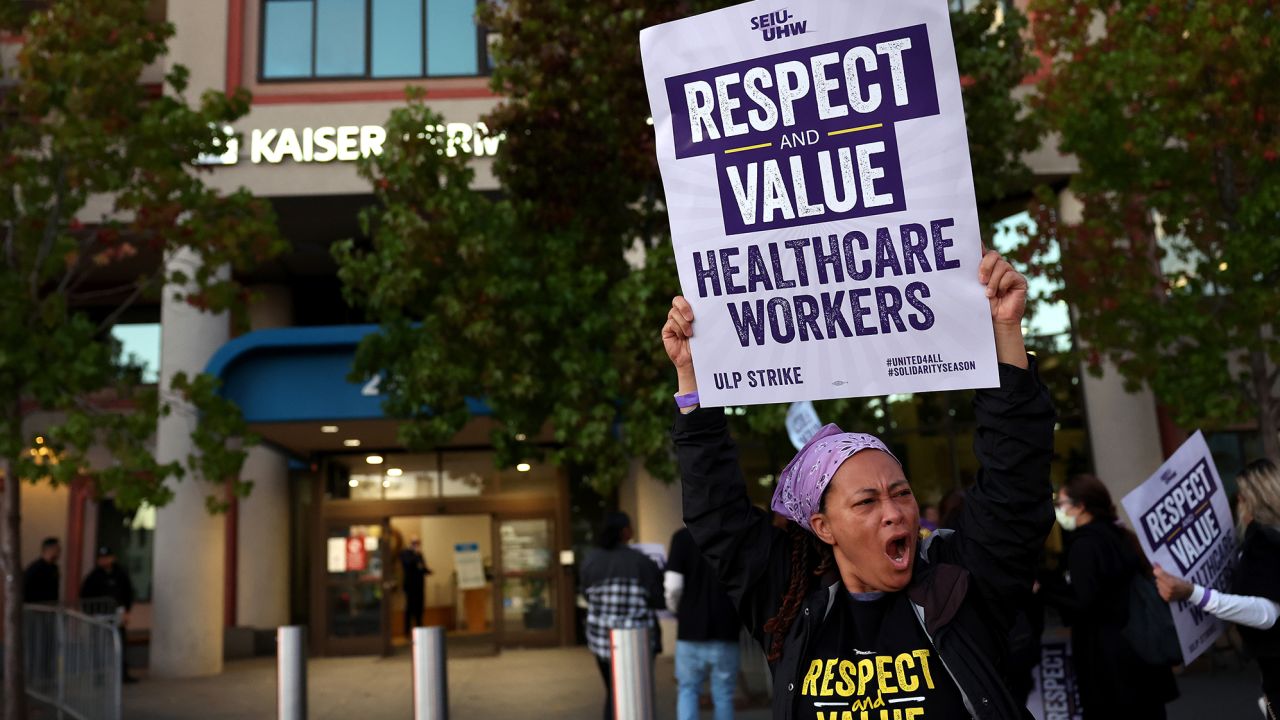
x=859 y=617
x=1254 y=607
x=1104 y=558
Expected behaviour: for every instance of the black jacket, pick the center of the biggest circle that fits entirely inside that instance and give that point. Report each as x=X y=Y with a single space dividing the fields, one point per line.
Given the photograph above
x=1258 y=574
x=113 y=583
x=967 y=584
x=1113 y=681
x=40 y=582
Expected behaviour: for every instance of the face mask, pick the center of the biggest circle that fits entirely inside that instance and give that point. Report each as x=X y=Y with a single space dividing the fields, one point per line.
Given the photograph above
x=1068 y=522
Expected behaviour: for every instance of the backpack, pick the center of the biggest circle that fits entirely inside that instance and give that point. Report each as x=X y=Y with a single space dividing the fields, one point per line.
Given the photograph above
x=1150 y=630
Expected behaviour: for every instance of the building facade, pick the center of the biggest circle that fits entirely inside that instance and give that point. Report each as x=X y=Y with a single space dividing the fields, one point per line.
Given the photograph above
x=336 y=498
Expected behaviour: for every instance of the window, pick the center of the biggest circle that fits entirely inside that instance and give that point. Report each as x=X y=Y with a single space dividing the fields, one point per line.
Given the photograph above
x=139 y=348
x=370 y=39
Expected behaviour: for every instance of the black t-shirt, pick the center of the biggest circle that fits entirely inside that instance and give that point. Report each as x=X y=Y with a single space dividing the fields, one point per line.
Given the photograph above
x=41 y=583
x=705 y=611
x=873 y=661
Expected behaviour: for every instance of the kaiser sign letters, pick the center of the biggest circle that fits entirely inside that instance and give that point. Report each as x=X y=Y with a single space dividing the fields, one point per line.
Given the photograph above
x=817 y=177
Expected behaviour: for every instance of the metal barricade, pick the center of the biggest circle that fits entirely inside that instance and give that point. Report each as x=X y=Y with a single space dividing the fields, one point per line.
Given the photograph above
x=72 y=662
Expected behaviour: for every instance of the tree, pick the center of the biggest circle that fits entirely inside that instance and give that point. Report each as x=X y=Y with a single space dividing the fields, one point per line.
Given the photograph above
x=79 y=129
x=547 y=303
x=1173 y=110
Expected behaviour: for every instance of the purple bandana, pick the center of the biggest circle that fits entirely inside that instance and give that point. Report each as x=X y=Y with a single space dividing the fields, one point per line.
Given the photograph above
x=810 y=471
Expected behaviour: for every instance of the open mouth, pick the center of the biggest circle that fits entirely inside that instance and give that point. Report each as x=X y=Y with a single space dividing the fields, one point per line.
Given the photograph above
x=898 y=550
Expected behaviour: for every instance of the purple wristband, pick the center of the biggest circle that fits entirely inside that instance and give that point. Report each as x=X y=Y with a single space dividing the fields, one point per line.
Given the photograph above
x=687 y=400
x=1205 y=600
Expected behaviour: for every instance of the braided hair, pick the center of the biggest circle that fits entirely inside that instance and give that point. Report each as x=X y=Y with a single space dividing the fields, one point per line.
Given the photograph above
x=810 y=559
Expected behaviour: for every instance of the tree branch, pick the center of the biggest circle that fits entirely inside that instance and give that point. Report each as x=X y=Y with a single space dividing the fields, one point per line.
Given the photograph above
x=51 y=225
x=101 y=293
x=65 y=284
x=140 y=288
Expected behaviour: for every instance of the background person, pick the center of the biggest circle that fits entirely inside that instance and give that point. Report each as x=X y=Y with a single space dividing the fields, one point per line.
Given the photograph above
x=623 y=587
x=110 y=581
x=40 y=582
x=707 y=630
x=930 y=519
x=1255 y=604
x=849 y=587
x=1103 y=558
x=415 y=573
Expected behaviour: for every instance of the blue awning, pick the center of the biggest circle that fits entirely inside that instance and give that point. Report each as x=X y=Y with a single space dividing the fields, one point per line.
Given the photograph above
x=301 y=374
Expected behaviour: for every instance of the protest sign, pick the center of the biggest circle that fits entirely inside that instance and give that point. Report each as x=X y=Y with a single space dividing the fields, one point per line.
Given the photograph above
x=656 y=552
x=816 y=168
x=802 y=423
x=1055 y=694
x=1183 y=520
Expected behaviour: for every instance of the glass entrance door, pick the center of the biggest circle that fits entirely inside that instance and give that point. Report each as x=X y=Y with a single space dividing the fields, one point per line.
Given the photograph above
x=355 y=565
x=448 y=582
x=528 y=580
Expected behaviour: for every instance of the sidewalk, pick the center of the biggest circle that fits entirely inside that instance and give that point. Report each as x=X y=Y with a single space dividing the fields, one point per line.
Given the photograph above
x=560 y=683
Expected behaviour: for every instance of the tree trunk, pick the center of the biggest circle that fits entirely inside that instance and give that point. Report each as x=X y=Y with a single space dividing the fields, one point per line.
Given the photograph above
x=15 y=695
x=1268 y=405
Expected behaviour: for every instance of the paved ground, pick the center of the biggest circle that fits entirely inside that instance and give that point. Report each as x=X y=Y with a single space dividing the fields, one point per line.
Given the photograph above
x=534 y=684
x=557 y=683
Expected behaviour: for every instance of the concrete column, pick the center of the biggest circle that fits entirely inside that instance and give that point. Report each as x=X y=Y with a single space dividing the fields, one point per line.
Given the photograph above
x=1124 y=432
x=262 y=563
x=657 y=507
x=262 y=548
x=186 y=635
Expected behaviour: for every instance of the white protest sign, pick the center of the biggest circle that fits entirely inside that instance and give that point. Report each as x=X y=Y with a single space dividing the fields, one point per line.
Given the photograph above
x=1183 y=519
x=802 y=423
x=817 y=178
x=655 y=551
x=1055 y=694
x=469 y=566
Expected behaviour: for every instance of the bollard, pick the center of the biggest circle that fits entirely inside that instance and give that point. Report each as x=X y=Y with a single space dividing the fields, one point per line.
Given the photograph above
x=430 y=682
x=291 y=673
x=632 y=668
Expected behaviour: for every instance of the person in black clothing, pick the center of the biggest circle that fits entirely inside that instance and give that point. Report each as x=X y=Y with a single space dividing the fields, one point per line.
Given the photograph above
x=623 y=588
x=415 y=573
x=110 y=581
x=855 y=612
x=1254 y=602
x=1103 y=559
x=40 y=581
x=706 y=631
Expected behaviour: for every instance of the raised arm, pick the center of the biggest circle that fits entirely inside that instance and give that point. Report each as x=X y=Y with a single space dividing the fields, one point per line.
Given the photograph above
x=738 y=539
x=1009 y=511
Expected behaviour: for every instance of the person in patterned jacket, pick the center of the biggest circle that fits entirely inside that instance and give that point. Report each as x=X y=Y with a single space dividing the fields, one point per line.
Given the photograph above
x=623 y=588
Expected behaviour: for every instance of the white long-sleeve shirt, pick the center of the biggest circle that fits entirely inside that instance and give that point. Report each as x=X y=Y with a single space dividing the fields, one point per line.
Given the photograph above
x=1247 y=610
x=673 y=587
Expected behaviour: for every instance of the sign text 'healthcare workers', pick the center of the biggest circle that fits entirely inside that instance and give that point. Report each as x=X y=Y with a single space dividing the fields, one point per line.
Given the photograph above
x=1183 y=520
x=815 y=162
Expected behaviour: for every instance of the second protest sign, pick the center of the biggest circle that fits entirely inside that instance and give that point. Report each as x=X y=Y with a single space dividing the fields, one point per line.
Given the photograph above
x=1183 y=520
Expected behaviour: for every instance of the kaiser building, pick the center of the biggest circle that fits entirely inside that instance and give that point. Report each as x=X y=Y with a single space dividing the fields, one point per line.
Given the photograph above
x=336 y=498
